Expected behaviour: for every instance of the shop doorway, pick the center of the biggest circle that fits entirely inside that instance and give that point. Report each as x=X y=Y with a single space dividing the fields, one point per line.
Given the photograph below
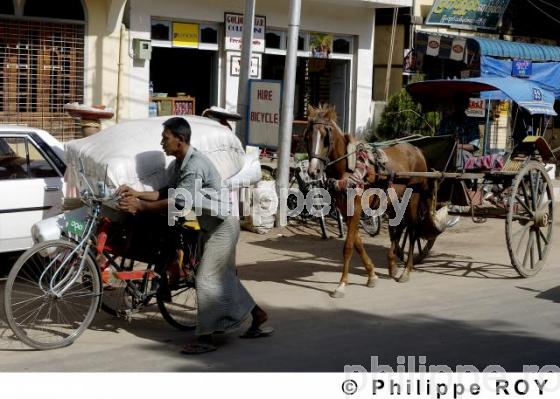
x=317 y=81
x=177 y=73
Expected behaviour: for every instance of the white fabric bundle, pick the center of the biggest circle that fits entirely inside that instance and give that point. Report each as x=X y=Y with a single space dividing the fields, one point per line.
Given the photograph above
x=130 y=153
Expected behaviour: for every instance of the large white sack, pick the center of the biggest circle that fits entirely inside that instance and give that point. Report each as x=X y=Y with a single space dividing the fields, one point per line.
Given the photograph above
x=132 y=154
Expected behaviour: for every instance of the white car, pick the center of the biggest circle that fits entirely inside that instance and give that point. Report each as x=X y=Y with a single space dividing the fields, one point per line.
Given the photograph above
x=32 y=187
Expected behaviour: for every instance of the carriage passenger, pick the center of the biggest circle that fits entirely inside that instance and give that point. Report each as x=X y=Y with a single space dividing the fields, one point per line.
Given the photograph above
x=456 y=122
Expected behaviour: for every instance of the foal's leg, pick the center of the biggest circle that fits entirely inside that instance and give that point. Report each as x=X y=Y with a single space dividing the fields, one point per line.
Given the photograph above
x=352 y=223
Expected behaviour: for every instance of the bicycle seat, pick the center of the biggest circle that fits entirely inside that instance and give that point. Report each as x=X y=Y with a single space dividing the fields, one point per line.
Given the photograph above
x=191 y=225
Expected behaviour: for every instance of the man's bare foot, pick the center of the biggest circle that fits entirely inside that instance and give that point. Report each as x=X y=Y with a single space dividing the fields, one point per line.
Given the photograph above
x=256 y=330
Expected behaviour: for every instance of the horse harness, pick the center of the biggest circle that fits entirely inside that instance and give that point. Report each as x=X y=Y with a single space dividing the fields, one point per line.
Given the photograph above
x=376 y=158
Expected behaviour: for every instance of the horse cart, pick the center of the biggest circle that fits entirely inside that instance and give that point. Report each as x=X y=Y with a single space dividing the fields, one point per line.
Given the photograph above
x=520 y=192
x=516 y=188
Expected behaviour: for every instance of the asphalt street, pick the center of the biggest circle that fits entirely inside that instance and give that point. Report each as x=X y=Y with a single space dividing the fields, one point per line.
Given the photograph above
x=465 y=305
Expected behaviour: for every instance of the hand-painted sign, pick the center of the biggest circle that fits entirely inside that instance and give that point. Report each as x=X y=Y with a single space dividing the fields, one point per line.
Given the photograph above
x=235 y=65
x=264 y=112
x=477 y=108
x=468 y=14
x=234 y=32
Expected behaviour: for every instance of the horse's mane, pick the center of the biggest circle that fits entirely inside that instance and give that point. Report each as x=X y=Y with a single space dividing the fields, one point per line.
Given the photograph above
x=327 y=113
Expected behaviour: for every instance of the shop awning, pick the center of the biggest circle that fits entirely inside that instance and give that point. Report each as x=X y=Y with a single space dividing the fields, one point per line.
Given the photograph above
x=507 y=49
x=526 y=94
x=453 y=47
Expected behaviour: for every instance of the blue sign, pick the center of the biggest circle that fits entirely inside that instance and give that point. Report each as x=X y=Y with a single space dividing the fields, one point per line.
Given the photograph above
x=521 y=68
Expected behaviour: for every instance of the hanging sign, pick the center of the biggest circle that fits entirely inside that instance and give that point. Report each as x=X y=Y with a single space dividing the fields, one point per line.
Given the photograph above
x=185 y=35
x=265 y=100
x=234 y=32
x=521 y=68
x=468 y=14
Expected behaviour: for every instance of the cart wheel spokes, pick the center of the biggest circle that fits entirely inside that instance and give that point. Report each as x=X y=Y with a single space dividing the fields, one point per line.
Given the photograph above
x=529 y=221
x=422 y=247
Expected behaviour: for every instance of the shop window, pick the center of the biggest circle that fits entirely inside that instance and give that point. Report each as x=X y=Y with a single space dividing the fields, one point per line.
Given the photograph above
x=65 y=9
x=275 y=40
x=341 y=45
x=301 y=43
x=7 y=7
x=161 y=30
x=208 y=34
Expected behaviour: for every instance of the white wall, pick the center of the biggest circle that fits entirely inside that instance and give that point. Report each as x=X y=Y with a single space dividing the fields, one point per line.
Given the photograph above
x=322 y=17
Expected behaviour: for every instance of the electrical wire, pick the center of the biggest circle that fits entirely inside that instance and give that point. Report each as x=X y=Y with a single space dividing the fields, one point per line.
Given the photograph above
x=549 y=4
x=543 y=11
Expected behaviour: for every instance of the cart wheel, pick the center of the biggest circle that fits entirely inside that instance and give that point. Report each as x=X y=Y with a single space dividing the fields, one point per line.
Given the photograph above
x=48 y=301
x=181 y=311
x=530 y=219
x=422 y=247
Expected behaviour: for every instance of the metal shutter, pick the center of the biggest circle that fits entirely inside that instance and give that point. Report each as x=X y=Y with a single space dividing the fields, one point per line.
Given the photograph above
x=41 y=69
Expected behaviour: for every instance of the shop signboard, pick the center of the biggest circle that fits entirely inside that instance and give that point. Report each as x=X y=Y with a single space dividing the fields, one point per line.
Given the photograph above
x=235 y=65
x=521 y=68
x=471 y=14
x=477 y=108
x=185 y=35
x=265 y=101
x=234 y=32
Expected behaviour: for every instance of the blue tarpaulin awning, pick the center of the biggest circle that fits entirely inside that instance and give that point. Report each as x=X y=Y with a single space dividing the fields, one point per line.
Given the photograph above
x=507 y=49
x=526 y=94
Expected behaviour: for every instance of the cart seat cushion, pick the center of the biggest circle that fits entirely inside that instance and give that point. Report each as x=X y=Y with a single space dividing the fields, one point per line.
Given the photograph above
x=485 y=162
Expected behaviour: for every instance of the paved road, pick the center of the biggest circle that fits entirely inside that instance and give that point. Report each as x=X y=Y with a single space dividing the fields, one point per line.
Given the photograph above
x=465 y=305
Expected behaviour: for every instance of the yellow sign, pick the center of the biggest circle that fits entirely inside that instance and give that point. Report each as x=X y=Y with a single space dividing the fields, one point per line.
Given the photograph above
x=185 y=35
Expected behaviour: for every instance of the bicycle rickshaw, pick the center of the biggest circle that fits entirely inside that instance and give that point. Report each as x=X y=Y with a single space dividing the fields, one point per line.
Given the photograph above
x=521 y=192
x=56 y=287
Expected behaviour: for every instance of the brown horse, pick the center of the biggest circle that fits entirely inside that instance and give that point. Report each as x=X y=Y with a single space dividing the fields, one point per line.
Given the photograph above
x=327 y=150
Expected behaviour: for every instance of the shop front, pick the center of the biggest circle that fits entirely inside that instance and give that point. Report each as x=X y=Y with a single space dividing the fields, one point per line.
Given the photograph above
x=41 y=64
x=452 y=57
x=195 y=56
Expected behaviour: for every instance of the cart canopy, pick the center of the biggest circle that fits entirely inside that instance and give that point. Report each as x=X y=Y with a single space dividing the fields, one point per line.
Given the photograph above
x=526 y=94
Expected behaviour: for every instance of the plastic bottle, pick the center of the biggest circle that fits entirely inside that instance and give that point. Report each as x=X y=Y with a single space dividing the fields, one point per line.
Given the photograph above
x=152 y=111
x=151 y=89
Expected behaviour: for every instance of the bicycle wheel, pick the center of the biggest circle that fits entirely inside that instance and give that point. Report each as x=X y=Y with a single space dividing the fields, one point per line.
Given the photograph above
x=340 y=223
x=370 y=224
x=48 y=301
x=181 y=311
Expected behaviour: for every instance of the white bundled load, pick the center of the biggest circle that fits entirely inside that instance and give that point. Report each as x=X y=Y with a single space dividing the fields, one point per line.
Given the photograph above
x=130 y=153
x=263 y=209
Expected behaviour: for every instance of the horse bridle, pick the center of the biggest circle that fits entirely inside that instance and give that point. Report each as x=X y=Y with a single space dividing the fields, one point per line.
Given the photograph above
x=328 y=129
